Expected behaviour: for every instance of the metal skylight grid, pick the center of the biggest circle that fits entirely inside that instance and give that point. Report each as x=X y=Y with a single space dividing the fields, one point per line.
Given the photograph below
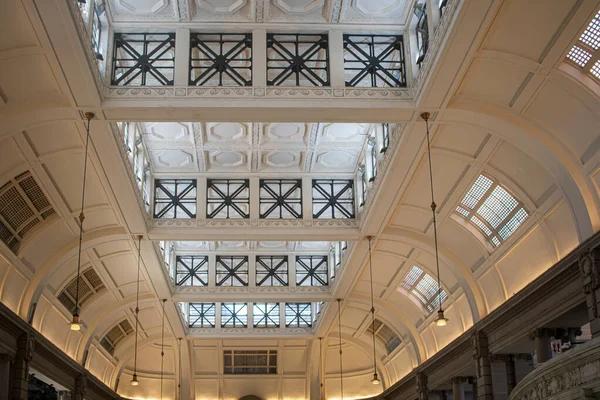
x=423 y=287
x=271 y=270
x=175 y=198
x=89 y=285
x=595 y=71
x=333 y=198
x=232 y=270
x=265 y=315
x=202 y=315
x=192 y=271
x=228 y=198
x=280 y=198
x=579 y=56
x=298 y=315
x=234 y=315
x=586 y=52
x=493 y=209
x=311 y=271
x=591 y=35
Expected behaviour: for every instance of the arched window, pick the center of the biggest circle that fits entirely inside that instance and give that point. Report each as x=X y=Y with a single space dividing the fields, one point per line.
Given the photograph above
x=492 y=209
x=585 y=54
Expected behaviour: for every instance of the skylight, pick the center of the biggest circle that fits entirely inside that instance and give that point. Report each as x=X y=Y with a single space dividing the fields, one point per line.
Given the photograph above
x=424 y=288
x=585 y=52
x=492 y=209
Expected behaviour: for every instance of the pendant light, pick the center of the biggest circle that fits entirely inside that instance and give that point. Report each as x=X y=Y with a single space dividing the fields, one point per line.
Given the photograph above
x=75 y=323
x=321 y=368
x=340 y=337
x=441 y=320
x=375 y=380
x=162 y=349
x=134 y=381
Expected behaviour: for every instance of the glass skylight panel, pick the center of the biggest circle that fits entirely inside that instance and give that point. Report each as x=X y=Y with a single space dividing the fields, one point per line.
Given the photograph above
x=479 y=188
x=435 y=301
x=595 y=71
x=591 y=35
x=428 y=286
x=266 y=315
x=298 y=315
x=202 y=315
x=481 y=225
x=234 y=315
x=497 y=206
x=513 y=223
x=412 y=277
x=579 y=56
x=423 y=287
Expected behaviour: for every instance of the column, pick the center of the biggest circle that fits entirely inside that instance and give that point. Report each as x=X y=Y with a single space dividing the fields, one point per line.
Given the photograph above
x=589 y=268
x=473 y=382
x=500 y=372
x=543 y=346
x=481 y=355
x=422 y=392
x=259 y=57
x=458 y=388
x=20 y=368
x=336 y=58
x=5 y=360
x=182 y=57
x=80 y=387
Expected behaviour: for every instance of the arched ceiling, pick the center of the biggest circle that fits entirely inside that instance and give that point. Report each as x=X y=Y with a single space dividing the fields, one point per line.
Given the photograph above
x=504 y=103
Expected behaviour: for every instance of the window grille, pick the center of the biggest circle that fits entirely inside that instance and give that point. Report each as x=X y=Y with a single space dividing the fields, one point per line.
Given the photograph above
x=249 y=362
x=271 y=270
x=297 y=59
x=374 y=61
x=333 y=198
x=585 y=53
x=23 y=205
x=492 y=209
x=175 y=198
x=202 y=315
x=385 y=137
x=280 y=198
x=192 y=271
x=115 y=335
x=298 y=315
x=424 y=288
x=266 y=315
x=385 y=335
x=228 y=198
x=234 y=315
x=90 y=284
x=311 y=271
x=220 y=59
x=232 y=270
x=422 y=31
x=143 y=59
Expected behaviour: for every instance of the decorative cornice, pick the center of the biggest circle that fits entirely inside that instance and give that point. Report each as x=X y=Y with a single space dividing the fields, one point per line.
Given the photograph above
x=254 y=222
x=247 y=289
x=251 y=331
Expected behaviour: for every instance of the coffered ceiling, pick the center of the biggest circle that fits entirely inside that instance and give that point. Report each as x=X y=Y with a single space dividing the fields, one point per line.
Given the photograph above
x=364 y=12
x=242 y=148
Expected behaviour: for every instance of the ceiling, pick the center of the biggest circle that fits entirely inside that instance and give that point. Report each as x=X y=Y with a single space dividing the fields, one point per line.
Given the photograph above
x=533 y=127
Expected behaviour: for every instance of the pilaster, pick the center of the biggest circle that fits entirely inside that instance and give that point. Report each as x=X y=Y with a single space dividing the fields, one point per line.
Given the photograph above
x=20 y=368
x=80 y=387
x=5 y=360
x=422 y=391
x=458 y=387
x=479 y=342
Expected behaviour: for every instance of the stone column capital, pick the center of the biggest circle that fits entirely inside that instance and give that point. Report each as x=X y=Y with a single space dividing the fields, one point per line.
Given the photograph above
x=501 y=357
x=459 y=379
x=479 y=342
x=542 y=332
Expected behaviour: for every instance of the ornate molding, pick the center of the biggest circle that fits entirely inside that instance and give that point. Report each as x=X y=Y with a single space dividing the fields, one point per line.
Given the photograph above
x=254 y=222
x=251 y=331
x=248 y=289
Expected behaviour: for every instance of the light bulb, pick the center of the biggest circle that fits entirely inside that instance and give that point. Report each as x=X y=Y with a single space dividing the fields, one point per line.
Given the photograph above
x=75 y=325
x=441 y=321
x=134 y=381
x=375 y=380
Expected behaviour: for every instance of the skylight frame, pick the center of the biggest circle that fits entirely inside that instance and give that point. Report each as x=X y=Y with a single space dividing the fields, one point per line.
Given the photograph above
x=266 y=315
x=234 y=315
x=424 y=288
x=191 y=270
x=205 y=315
x=485 y=207
x=585 y=53
x=298 y=315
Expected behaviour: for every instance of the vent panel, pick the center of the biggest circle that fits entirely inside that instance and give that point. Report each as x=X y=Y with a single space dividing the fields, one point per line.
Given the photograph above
x=90 y=284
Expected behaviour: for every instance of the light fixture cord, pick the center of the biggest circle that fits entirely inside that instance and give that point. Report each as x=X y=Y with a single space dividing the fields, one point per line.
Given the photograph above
x=321 y=366
x=137 y=305
x=340 y=337
x=179 y=384
x=372 y=308
x=81 y=215
x=433 y=207
x=162 y=349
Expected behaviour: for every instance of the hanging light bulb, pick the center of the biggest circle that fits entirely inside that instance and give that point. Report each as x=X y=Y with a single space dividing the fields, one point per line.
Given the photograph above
x=75 y=324
x=375 y=380
x=134 y=381
x=441 y=320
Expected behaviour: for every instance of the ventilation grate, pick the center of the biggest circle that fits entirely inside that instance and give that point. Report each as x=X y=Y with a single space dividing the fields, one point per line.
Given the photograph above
x=89 y=285
x=23 y=205
x=250 y=362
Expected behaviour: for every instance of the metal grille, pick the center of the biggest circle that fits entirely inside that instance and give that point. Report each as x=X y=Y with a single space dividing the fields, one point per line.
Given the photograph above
x=220 y=59
x=271 y=270
x=280 y=198
x=228 y=198
x=579 y=56
x=298 y=315
x=266 y=315
x=492 y=209
x=232 y=271
x=333 y=198
x=591 y=35
x=424 y=288
x=191 y=271
x=23 y=206
x=234 y=315
x=311 y=271
x=175 y=198
x=374 y=61
x=202 y=315
x=143 y=59
x=90 y=284
x=297 y=60
x=250 y=362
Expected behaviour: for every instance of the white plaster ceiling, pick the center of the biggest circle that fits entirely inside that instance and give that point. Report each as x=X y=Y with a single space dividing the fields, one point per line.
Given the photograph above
x=243 y=148
x=364 y=12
